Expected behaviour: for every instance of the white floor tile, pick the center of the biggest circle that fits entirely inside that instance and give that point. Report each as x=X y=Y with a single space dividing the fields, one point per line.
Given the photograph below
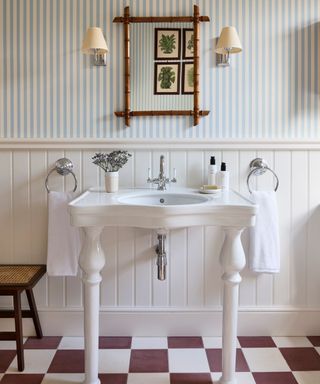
x=143 y=378
x=114 y=360
x=63 y=378
x=35 y=361
x=318 y=349
x=307 y=377
x=149 y=343
x=295 y=342
x=8 y=344
x=188 y=360
x=242 y=377
x=265 y=360
x=212 y=342
x=71 y=343
x=215 y=342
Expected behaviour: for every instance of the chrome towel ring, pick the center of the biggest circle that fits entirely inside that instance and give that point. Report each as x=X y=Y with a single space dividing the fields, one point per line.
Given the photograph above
x=258 y=167
x=63 y=166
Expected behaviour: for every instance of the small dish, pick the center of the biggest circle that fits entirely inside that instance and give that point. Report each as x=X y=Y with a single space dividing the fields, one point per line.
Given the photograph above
x=210 y=191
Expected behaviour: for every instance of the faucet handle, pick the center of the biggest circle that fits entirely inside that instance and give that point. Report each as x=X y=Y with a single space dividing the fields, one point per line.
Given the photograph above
x=149 y=176
x=174 y=179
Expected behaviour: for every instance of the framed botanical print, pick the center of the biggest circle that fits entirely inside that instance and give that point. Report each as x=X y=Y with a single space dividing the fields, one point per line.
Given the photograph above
x=187 y=78
x=166 y=78
x=167 y=43
x=188 y=44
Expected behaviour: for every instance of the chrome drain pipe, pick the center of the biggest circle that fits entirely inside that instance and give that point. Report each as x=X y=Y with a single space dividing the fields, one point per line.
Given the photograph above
x=162 y=257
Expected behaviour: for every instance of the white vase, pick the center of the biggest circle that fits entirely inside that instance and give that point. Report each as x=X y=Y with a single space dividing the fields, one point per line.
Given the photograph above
x=112 y=181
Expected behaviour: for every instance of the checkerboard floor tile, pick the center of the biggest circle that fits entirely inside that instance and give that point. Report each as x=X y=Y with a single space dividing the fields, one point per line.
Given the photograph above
x=164 y=360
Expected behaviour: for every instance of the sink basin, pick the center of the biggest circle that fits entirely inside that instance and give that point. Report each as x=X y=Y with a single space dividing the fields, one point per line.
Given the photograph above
x=162 y=199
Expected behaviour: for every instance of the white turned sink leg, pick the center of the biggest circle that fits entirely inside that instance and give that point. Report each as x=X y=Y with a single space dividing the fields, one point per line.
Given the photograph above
x=91 y=262
x=233 y=261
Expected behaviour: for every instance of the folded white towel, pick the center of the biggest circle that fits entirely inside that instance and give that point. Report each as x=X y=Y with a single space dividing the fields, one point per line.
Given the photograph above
x=264 y=249
x=64 y=240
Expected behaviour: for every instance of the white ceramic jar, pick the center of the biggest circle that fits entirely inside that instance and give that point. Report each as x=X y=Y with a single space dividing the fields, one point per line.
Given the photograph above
x=112 y=182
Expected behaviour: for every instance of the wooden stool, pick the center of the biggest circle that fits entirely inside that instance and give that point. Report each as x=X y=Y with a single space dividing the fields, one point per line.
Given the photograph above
x=14 y=279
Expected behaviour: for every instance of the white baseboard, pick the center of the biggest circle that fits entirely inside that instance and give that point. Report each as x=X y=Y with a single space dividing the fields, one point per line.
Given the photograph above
x=282 y=322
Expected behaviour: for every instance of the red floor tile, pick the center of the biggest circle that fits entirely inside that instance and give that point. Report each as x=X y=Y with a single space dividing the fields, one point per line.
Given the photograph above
x=274 y=378
x=67 y=361
x=214 y=357
x=22 y=379
x=301 y=359
x=47 y=342
x=185 y=342
x=113 y=378
x=190 y=378
x=106 y=342
x=315 y=340
x=143 y=360
x=6 y=357
x=256 y=342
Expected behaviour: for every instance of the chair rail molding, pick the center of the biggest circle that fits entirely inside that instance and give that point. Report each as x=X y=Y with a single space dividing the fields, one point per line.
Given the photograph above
x=146 y=144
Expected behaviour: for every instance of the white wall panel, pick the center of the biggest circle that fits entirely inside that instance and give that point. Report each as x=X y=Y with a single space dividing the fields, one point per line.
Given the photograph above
x=247 y=291
x=142 y=161
x=178 y=267
x=6 y=217
x=299 y=223
x=91 y=174
x=21 y=206
x=264 y=284
x=125 y=264
x=282 y=166
x=178 y=160
x=109 y=284
x=56 y=285
x=129 y=276
x=195 y=169
x=213 y=239
x=38 y=205
x=143 y=261
x=313 y=249
x=195 y=266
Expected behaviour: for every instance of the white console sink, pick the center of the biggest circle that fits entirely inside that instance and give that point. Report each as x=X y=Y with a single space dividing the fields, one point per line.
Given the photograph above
x=144 y=208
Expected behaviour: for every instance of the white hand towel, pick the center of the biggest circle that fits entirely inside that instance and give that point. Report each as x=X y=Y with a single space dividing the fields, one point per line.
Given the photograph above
x=264 y=250
x=64 y=240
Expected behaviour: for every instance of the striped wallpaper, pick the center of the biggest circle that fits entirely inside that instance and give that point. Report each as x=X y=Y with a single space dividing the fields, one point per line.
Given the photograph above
x=50 y=90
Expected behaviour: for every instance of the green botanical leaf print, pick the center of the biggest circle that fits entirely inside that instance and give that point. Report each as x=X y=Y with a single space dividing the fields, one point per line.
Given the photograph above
x=167 y=43
x=190 y=77
x=190 y=44
x=166 y=77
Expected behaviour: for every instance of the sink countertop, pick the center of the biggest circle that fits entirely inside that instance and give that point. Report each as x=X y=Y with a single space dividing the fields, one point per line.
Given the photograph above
x=96 y=207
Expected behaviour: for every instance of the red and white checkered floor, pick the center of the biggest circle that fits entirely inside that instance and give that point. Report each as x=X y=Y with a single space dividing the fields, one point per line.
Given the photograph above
x=164 y=360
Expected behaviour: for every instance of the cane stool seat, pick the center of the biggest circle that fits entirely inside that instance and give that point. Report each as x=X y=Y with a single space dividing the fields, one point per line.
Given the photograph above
x=14 y=279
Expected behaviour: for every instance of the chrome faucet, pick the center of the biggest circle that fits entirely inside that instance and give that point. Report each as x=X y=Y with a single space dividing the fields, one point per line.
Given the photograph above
x=161 y=180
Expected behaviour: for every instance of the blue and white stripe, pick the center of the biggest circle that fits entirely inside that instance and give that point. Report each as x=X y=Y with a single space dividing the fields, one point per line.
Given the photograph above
x=50 y=90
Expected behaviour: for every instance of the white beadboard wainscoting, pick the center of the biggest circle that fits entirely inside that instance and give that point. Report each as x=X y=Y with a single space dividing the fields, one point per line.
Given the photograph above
x=133 y=301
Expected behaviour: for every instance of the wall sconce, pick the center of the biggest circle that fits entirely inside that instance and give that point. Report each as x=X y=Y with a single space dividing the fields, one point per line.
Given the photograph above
x=95 y=44
x=228 y=43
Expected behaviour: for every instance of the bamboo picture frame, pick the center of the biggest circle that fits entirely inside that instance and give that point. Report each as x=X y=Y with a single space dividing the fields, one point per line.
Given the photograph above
x=196 y=19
